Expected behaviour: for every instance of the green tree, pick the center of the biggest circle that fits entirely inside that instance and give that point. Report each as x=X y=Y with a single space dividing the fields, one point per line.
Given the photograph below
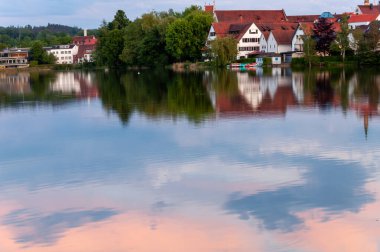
x=37 y=52
x=357 y=38
x=39 y=55
x=111 y=41
x=186 y=36
x=342 y=37
x=308 y=48
x=224 y=50
x=120 y=21
x=178 y=39
x=372 y=36
x=200 y=23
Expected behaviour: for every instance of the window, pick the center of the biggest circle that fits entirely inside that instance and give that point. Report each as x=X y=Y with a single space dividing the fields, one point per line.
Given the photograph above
x=253 y=31
x=212 y=34
x=249 y=48
x=250 y=40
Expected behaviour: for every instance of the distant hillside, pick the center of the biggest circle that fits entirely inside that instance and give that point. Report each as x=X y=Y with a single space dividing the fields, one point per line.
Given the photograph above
x=23 y=36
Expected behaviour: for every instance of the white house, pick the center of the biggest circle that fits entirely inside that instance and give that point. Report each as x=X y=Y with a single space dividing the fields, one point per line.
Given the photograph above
x=280 y=40
x=361 y=19
x=264 y=41
x=249 y=41
x=64 y=53
x=297 y=41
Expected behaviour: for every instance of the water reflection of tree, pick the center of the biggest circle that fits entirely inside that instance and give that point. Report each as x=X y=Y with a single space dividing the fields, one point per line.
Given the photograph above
x=156 y=94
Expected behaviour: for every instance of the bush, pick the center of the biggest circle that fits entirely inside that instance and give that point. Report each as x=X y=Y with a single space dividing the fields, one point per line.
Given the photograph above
x=267 y=62
x=33 y=63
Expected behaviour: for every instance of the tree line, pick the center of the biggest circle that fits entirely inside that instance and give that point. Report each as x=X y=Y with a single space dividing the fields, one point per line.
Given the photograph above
x=25 y=36
x=361 y=43
x=155 y=38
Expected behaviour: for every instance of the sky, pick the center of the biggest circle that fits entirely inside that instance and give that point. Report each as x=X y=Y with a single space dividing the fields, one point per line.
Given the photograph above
x=90 y=13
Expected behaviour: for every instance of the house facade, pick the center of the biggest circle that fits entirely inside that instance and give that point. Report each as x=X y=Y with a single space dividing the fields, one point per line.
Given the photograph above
x=249 y=41
x=244 y=27
x=14 y=58
x=64 y=53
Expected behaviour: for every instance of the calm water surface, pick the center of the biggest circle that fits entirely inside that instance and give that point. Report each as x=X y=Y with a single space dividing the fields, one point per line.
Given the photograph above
x=274 y=160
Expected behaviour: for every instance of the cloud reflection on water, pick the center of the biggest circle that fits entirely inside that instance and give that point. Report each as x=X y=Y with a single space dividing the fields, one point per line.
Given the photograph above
x=37 y=228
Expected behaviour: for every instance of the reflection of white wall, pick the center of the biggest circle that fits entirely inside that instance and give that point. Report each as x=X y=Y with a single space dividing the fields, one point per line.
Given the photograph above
x=269 y=84
x=297 y=84
x=250 y=89
x=15 y=83
x=65 y=83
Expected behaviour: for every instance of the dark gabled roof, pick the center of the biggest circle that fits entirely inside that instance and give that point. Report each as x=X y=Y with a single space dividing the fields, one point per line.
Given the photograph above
x=250 y=16
x=303 y=18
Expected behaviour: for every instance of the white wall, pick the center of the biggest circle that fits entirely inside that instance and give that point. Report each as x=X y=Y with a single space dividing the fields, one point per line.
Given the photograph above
x=64 y=55
x=263 y=44
x=297 y=42
x=252 y=33
x=272 y=44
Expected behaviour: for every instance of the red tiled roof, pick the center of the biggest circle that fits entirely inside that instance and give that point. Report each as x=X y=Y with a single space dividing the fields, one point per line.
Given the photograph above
x=223 y=29
x=209 y=8
x=283 y=37
x=367 y=9
x=250 y=16
x=362 y=18
x=82 y=50
x=84 y=40
x=303 y=18
x=266 y=28
x=307 y=28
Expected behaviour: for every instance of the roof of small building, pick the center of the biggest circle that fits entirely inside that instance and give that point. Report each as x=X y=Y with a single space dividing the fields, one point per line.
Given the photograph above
x=250 y=16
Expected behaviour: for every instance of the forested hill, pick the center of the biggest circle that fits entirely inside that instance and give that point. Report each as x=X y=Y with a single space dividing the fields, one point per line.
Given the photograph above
x=23 y=36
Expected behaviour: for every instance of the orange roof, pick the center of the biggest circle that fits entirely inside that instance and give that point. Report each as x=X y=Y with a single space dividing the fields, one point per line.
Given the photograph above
x=307 y=28
x=283 y=37
x=250 y=16
x=362 y=18
x=223 y=29
x=285 y=26
x=370 y=9
x=209 y=8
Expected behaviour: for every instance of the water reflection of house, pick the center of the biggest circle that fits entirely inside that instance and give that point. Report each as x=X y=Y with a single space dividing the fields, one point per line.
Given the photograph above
x=13 y=84
x=82 y=85
x=258 y=96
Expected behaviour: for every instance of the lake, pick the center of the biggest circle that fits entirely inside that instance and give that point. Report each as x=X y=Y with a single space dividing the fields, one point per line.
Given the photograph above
x=267 y=160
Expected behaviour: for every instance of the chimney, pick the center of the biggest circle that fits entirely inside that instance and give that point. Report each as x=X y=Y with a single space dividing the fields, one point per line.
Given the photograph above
x=241 y=19
x=85 y=32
